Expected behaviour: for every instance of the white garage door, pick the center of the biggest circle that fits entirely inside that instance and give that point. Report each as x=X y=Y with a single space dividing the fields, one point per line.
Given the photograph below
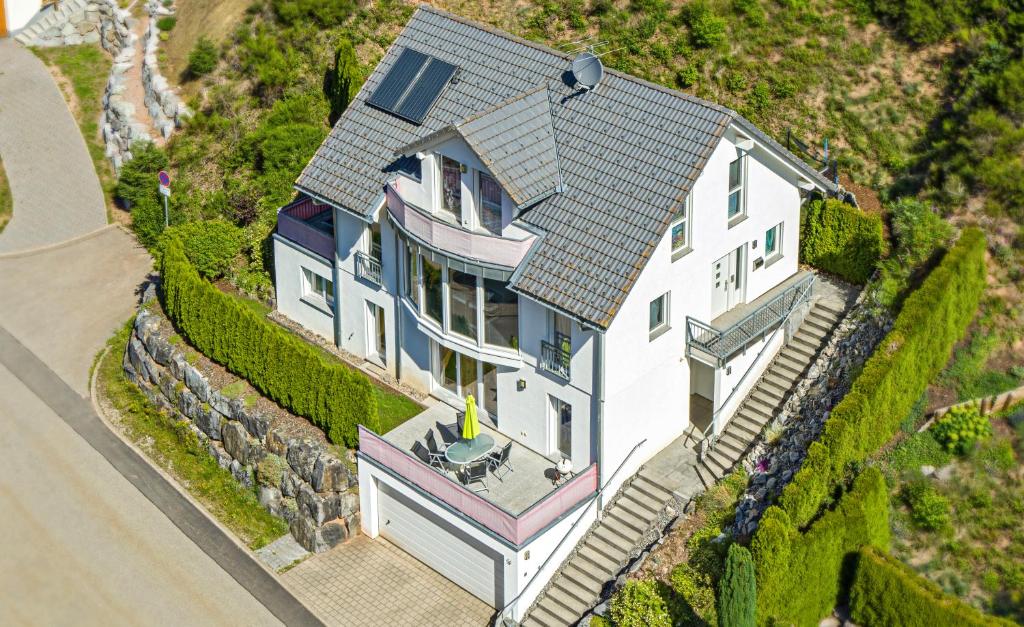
x=437 y=544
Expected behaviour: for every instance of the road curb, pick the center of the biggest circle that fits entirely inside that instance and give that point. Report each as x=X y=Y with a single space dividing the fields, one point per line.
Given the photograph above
x=28 y=252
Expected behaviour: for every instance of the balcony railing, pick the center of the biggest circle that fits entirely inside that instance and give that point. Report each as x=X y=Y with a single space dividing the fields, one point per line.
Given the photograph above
x=298 y=221
x=721 y=343
x=368 y=268
x=516 y=528
x=555 y=359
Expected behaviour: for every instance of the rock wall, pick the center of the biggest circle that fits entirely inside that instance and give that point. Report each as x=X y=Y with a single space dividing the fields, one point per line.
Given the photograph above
x=74 y=22
x=165 y=107
x=297 y=479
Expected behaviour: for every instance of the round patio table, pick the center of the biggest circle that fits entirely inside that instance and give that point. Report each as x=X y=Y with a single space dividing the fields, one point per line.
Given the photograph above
x=468 y=451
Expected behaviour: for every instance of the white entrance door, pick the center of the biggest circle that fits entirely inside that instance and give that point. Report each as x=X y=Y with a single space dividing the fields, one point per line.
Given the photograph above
x=727 y=277
x=429 y=538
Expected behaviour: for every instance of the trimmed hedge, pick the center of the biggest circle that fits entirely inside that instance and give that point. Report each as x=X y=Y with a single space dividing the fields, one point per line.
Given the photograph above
x=800 y=575
x=279 y=365
x=933 y=319
x=887 y=592
x=841 y=239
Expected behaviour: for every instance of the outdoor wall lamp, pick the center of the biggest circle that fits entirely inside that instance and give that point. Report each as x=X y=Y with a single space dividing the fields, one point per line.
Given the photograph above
x=521 y=385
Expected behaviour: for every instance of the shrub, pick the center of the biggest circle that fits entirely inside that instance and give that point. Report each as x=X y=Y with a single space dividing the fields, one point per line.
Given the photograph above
x=687 y=76
x=697 y=592
x=202 y=59
x=639 y=604
x=270 y=471
x=137 y=179
x=933 y=319
x=343 y=80
x=960 y=428
x=919 y=231
x=841 y=239
x=928 y=509
x=166 y=23
x=886 y=592
x=211 y=245
x=800 y=574
x=278 y=364
x=737 y=590
x=706 y=29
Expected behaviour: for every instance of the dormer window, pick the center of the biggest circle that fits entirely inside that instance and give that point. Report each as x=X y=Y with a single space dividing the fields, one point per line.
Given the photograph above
x=451 y=188
x=490 y=203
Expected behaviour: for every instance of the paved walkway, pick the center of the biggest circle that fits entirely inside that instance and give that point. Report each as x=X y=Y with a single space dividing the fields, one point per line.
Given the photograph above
x=53 y=182
x=372 y=582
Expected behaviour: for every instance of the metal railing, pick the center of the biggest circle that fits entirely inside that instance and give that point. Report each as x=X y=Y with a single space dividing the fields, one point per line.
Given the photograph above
x=503 y=617
x=368 y=268
x=554 y=359
x=720 y=344
x=707 y=445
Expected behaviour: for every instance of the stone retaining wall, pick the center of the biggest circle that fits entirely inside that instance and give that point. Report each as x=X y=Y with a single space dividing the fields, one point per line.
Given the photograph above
x=74 y=22
x=297 y=479
x=165 y=107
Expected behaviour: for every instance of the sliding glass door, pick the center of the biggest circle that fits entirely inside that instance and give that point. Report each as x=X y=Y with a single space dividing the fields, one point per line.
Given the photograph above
x=457 y=375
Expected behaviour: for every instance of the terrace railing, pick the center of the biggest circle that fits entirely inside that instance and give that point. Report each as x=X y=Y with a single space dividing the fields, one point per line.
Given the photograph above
x=368 y=268
x=554 y=359
x=293 y=225
x=515 y=528
x=721 y=343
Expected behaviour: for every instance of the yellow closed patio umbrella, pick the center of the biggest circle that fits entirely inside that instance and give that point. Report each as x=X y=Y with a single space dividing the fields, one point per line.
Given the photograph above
x=470 y=424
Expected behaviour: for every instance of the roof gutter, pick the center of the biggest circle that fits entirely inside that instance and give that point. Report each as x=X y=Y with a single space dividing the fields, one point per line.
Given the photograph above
x=751 y=133
x=324 y=201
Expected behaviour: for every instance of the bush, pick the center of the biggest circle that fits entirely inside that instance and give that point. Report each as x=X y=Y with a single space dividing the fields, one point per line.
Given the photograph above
x=919 y=231
x=697 y=592
x=640 y=604
x=886 y=592
x=933 y=319
x=800 y=574
x=278 y=364
x=841 y=239
x=211 y=246
x=928 y=509
x=270 y=471
x=706 y=29
x=342 y=81
x=202 y=59
x=137 y=179
x=960 y=428
x=166 y=23
x=737 y=590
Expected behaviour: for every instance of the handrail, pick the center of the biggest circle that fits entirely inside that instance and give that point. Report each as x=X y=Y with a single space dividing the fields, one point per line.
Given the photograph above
x=369 y=268
x=711 y=440
x=500 y=617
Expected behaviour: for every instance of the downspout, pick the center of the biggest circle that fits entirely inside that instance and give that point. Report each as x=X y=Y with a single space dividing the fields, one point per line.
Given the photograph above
x=599 y=395
x=335 y=277
x=398 y=311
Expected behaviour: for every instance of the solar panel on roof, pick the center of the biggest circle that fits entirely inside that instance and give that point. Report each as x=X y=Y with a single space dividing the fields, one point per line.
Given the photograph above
x=412 y=85
x=426 y=90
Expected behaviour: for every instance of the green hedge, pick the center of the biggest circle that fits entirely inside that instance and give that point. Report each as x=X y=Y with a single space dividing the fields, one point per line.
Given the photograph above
x=281 y=366
x=841 y=239
x=887 y=592
x=800 y=575
x=933 y=319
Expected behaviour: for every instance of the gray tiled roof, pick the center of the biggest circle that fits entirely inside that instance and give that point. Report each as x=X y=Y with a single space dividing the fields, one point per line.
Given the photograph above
x=627 y=153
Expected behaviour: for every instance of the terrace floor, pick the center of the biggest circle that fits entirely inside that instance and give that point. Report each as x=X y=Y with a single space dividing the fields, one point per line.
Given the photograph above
x=530 y=481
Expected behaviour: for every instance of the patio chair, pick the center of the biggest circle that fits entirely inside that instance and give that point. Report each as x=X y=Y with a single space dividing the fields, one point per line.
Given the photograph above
x=436 y=453
x=476 y=473
x=499 y=462
x=424 y=454
x=449 y=434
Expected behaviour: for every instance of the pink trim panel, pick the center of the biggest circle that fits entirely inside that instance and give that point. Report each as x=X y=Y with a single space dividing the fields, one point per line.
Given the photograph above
x=291 y=224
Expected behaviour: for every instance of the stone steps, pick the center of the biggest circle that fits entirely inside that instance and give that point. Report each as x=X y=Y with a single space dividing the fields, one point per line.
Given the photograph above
x=769 y=395
x=602 y=554
x=51 y=18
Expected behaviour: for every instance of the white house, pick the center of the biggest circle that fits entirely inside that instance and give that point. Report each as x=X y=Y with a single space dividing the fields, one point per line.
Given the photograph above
x=573 y=248
x=16 y=14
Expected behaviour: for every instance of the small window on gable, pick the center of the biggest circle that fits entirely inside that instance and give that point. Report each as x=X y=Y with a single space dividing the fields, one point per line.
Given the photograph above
x=680 y=227
x=451 y=187
x=658 y=313
x=490 y=203
x=736 y=176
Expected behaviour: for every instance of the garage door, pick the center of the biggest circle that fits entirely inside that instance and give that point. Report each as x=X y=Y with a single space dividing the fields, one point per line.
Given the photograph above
x=438 y=544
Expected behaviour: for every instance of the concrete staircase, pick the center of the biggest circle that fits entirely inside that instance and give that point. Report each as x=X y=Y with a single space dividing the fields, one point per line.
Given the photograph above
x=770 y=393
x=602 y=554
x=54 y=17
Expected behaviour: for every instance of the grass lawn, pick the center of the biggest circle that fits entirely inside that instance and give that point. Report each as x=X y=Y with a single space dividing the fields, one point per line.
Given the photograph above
x=6 y=202
x=84 y=70
x=154 y=432
x=972 y=542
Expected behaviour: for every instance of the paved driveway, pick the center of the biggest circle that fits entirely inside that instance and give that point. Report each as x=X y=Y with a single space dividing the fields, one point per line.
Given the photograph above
x=56 y=193
x=372 y=582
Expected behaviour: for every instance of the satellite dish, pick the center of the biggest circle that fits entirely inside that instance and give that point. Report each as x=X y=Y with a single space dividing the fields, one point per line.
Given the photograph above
x=587 y=70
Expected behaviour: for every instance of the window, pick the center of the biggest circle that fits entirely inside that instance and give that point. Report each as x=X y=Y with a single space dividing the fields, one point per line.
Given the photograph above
x=561 y=332
x=490 y=203
x=432 y=289
x=375 y=248
x=659 y=313
x=462 y=303
x=317 y=286
x=412 y=275
x=773 y=242
x=681 y=226
x=561 y=414
x=501 y=314
x=462 y=375
x=490 y=388
x=377 y=332
x=451 y=187
x=736 y=187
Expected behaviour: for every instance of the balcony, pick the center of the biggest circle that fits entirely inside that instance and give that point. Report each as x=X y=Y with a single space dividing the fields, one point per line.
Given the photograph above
x=452 y=239
x=368 y=268
x=308 y=225
x=741 y=325
x=555 y=359
x=517 y=508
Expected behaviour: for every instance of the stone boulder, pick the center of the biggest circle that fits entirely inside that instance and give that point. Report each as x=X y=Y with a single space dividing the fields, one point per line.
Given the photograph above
x=235 y=441
x=302 y=456
x=197 y=383
x=209 y=420
x=329 y=475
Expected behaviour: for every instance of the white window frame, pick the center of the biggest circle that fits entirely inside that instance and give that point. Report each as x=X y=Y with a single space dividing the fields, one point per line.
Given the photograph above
x=554 y=405
x=684 y=217
x=460 y=217
x=664 y=325
x=310 y=291
x=478 y=201
x=770 y=256
x=739 y=190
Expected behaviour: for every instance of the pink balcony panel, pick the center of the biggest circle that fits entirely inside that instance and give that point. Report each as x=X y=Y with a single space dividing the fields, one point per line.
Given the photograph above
x=308 y=224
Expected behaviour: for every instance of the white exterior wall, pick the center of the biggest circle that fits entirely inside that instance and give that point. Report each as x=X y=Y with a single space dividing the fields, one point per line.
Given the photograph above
x=19 y=13
x=289 y=259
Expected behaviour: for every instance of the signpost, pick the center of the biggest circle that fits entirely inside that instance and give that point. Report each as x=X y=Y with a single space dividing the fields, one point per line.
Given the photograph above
x=165 y=191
